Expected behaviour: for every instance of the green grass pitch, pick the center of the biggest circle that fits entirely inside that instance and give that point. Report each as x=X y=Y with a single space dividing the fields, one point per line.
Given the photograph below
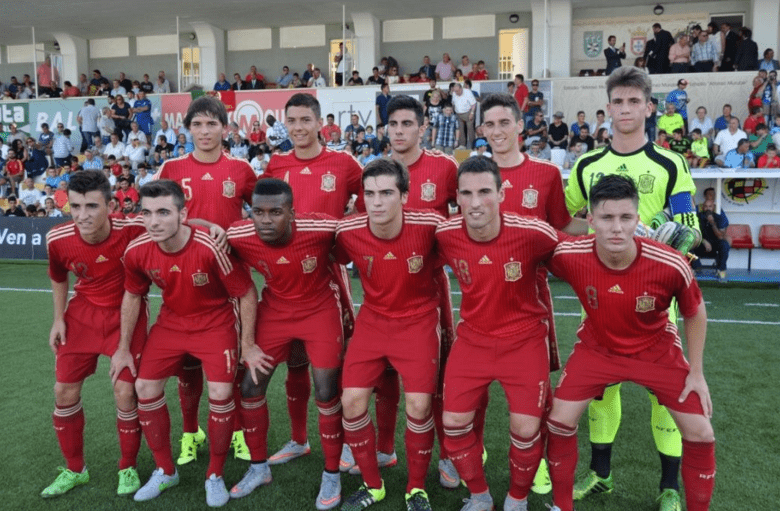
x=742 y=367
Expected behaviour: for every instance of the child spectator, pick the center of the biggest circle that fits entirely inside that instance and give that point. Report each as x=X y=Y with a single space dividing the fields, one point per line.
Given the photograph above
x=481 y=149
x=680 y=144
x=359 y=143
x=661 y=140
x=446 y=130
x=370 y=134
x=760 y=139
x=700 y=153
x=769 y=160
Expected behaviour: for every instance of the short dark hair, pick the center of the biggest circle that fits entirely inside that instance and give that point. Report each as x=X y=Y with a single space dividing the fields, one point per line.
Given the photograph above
x=305 y=100
x=613 y=187
x=163 y=188
x=208 y=106
x=761 y=126
x=480 y=165
x=677 y=131
x=501 y=99
x=696 y=131
x=771 y=146
x=742 y=141
x=656 y=25
x=520 y=77
x=273 y=186
x=330 y=116
x=404 y=102
x=89 y=181
x=388 y=167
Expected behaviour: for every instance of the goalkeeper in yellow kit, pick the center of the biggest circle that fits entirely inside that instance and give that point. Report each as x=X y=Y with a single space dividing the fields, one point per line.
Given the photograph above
x=666 y=191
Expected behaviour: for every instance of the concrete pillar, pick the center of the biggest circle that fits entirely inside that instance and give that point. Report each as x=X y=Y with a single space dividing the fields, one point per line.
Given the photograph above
x=211 y=41
x=764 y=25
x=551 y=37
x=367 y=34
x=74 y=56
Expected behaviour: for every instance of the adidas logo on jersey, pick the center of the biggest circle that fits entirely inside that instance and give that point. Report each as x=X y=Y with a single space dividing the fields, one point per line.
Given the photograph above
x=616 y=289
x=306 y=171
x=506 y=184
x=389 y=256
x=207 y=177
x=622 y=168
x=485 y=260
x=101 y=259
x=175 y=268
x=282 y=260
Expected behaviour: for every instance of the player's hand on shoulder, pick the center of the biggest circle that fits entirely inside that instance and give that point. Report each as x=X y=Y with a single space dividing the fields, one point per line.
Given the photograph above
x=57 y=335
x=695 y=382
x=256 y=359
x=119 y=360
x=219 y=235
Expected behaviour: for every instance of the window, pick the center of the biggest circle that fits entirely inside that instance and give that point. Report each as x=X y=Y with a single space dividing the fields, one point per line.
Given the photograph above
x=512 y=53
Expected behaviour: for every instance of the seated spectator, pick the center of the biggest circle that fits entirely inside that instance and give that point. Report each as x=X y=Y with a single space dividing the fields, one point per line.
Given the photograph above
x=36 y=161
x=29 y=195
x=143 y=176
x=446 y=130
x=336 y=143
x=160 y=157
x=163 y=145
x=307 y=74
x=257 y=139
x=134 y=153
x=768 y=63
x=114 y=148
x=365 y=155
x=351 y=131
x=50 y=208
x=92 y=162
x=458 y=76
x=574 y=152
x=136 y=133
x=61 y=197
x=238 y=83
x=254 y=80
x=296 y=82
x=285 y=79
x=671 y=120
x=539 y=150
x=330 y=126
x=375 y=78
x=700 y=153
x=575 y=128
x=755 y=118
x=278 y=136
x=714 y=243
x=585 y=138
x=317 y=80
x=769 y=160
x=14 y=208
x=392 y=75
x=129 y=208
x=181 y=142
x=162 y=86
x=166 y=131
x=62 y=147
x=722 y=122
x=355 y=79
x=136 y=88
x=359 y=143
x=738 y=158
x=727 y=139
x=662 y=139
x=536 y=128
x=259 y=163
x=380 y=138
x=759 y=140
x=239 y=148
x=370 y=134
x=117 y=89
x=125 y=189
x=420 y=77
x=679 y=144
x=602 y=138
x=70 y=91
x=222 y=83
x=146 y=85
x=481 y=148
x=600 y=122
x=702 y=123
x=14 y=171
x=481 y=73
x=558 y=132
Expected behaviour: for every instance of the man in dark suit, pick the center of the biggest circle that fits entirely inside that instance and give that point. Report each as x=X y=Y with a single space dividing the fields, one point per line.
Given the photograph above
x=746 y=58
x=663 y=41
x=730 y=48
x=614 y=55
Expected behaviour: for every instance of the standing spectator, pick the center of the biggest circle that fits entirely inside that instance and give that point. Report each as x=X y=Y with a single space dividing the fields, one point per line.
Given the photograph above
x=535 y=99
x=317 y=80
x=714 y=243
x=307 y=74
x=278 y=136
x=746 y=58
x=45 y=139
x=163 y=82
x=254 y=80
x=120 y=113
x=36 y=162
x=48 y=78
x=704 y=55
x=445 y=69
x=680 y=55
x=663 y=42
x=62 y=147
x=143 y=114
x=106 y=125
x=613 y=55
x=125 y=82
x=446 y=130
x=88 y=118
x=558 y=132
x=652 y=61
x=341 y=59
x=702 y=123
x=731 y=42
x=680 y=99
x=428 y=68
x=521 y=95
x=381 y=104
x=768 y=63
x=465 y=106
x=238 y=84
x=83 y=84
x=718 y=40
x=117 y=89
x=465 y=65
x=222 y=83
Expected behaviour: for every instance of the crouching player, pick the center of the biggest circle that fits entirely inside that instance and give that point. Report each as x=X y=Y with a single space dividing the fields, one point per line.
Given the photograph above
x=87 y=325
x=199 y=285
x=300 y=302
x=625 y=285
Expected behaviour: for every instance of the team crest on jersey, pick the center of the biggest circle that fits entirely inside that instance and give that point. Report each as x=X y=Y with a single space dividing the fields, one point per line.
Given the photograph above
x=415 y=263
x=645 y=303
x=645 y=183
x=512 y=271
x=530 y=198
x=229 y=188
x=428 y=192
x=328 y=182
x=309 y=264
x=200 y=279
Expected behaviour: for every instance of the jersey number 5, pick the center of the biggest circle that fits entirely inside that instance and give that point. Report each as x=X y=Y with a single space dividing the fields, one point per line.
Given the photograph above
x=185 y=185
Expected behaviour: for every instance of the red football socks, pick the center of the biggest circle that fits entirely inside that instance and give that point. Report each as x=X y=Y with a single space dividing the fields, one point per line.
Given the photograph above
x=156 y=426
x=129 y=430
x=221 y=420
x=419 y=444
x=359 y=434
x=524 y=456
x=254 y=417
x=466 y=454
x=331 y=432
x=298 y=386
x=562 y=460
x=698 y=473
x=69 y=424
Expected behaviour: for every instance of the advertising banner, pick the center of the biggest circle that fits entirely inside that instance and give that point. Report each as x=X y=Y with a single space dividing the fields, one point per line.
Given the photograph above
x=25 y=238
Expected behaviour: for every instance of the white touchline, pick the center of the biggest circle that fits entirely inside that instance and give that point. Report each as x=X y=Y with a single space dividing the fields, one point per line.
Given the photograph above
x=762 y=305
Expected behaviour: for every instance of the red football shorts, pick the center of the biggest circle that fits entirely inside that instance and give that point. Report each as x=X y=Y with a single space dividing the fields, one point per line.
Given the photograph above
x=91 y=331
x=318 y=329
x=520 y=365
x=661 y=368
x=169 y=344
x=410 y=345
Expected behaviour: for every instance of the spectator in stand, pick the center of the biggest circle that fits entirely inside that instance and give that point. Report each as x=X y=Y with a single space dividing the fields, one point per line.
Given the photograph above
x=584 y=137
x=335 y=142
x=50 y=208
x=278 y=136
x=558 y=132
x=285 y=79
x=746 y=58
x=445 y=69
x=731 y=42
x=136 y=87
x=181 y=142
x=465 y=105
x=257 y=139
x=166 y=86
x=680 y=55
x=702 y=123
x=70 y=91
x=142 y=110
x=380 y=139
x=700 y=153
x=36 y=162
x=92 y=162
x=722 y=122
x=480 y=73
x=539 y=150
x=769 y=160
x=535 y=99
x=166 y=131
x=465 y=65
x=29 y=195
x=680 y=99
x=125 y=82
x=48 y=78
x=317 y=80
x=641 y=63
x=83 y=85
x=106 y=125
x=222 y=83
x=768 y=63
x=428 y=68
x=756 y=117
x=769 y=98
x=381 y=104
x=254 y=80
x=117 y=89
x=714 y=243
x=717 y=38
x=62 y=147
x=351 y=131
x=15 y=134
x=602 y=138
x=756 y=98
x=120 y=113
x=14 y=170
x=392 y=75
x=375 y=78
x=146 y=85
x=759 y=140
x=355 y=79
x=136 y=133
x=329 y=127
x=663 y=43
x=662 y=139
x=739 y=157
x=600 y=122
x=671 y=120
x=296 y=82
x=521 y=95
x=574 y=152
x=704 y=54
x=45 y=139
x=536 y=129
x=88 y=118
x=359 y=143
x=679 y=144
x=53 y=178
x=727 y=139
x=446 y=130
x=238 y=84
x=307 y=74
x=125 y=190
x=134 y=153
x=239 y=148
x=14 y=209
x=575 y=128
x=613 y=55
x=366 y=156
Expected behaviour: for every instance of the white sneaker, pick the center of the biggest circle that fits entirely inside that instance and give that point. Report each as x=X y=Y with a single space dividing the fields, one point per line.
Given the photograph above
x=157 y=483
x=330 y=491
x=448 y=474
x=289 y=452
x=216 y=493
x=258 y=474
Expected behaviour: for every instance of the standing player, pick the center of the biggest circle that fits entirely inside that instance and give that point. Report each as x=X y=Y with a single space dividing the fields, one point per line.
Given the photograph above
x=300 y=302
x=216 y=186
x=626 y=285
x=199 y=285
x=532 y=187
x=502 y=334
x=323 y=181
x=398 y=324
x=665 y=184
x=87 y=325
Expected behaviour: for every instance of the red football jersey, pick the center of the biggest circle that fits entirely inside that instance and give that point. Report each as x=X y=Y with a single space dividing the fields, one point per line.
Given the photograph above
x=296 y=273
x=535 y=188
x=100 y=276
x=498 y=278
x=323 y=184
x=215 y=192
x=397 y=274
x=627 y=309
x=197 y=282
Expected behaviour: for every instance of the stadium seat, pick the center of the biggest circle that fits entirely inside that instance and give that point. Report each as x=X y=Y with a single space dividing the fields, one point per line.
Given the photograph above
x=769 y=237
x=741 y=237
